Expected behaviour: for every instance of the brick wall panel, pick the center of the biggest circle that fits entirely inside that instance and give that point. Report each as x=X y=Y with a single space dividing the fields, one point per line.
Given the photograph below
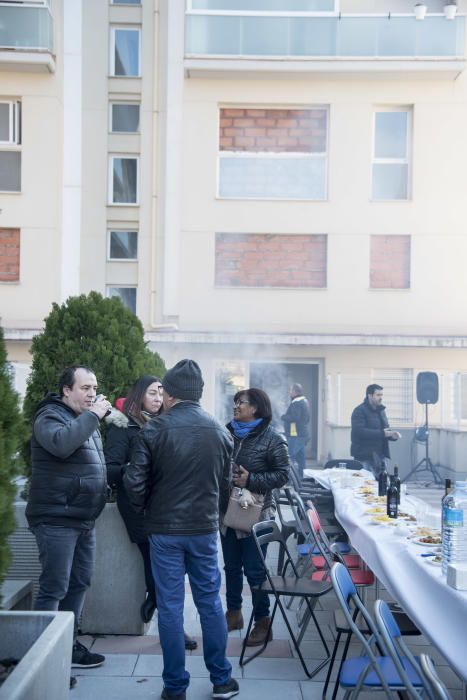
x=9 y=254
x=390 y=262
x=270 y=260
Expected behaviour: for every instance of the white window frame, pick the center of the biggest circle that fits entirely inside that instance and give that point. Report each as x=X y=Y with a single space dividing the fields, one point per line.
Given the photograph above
x=264 y=13
x=123 y=230
x=127 y=156
x=402 y=375
x=393 y=161
x=124 y=103
x=280 y=155
x=125 y=28
x=116 y=285
x=14 y=118
x=131 y=4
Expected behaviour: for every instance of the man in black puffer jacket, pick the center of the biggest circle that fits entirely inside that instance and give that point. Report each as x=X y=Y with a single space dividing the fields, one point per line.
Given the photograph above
x=179 y=473
x=68 y=491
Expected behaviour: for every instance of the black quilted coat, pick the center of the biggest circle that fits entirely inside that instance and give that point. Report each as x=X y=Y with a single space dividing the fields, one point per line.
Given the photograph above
x=264 y=454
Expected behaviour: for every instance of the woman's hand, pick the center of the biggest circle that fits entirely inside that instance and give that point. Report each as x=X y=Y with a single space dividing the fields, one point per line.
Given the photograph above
x=240 y=477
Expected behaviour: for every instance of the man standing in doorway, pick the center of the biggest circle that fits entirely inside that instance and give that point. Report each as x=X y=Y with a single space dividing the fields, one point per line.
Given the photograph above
x=68 y=491
x=371 y=433
x=297 y=426
x=179 y=473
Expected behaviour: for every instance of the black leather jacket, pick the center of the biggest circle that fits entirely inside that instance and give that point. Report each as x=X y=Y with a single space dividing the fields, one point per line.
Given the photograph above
x=180 y=470
x=264 y=454
x=68 y=484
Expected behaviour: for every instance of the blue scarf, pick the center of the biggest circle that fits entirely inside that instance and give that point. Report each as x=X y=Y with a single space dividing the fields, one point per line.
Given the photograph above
x=241 y=430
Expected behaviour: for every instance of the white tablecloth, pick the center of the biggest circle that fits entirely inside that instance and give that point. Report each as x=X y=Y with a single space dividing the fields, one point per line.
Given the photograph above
x=438 y=610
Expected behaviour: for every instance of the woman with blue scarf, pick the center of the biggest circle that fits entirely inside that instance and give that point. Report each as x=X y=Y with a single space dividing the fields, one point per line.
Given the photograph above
x=261 y=464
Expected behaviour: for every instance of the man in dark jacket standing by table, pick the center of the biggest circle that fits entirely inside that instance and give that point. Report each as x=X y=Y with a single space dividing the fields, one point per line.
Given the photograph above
x=296 y=422
x=179 y=472
x=68 y=491
x=371 y=432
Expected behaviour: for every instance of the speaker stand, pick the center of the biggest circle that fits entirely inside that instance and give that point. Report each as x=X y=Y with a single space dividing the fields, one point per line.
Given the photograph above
x=425 y=464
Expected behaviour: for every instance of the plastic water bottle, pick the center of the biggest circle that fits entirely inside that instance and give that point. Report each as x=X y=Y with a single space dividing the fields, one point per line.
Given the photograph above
x=454 y=526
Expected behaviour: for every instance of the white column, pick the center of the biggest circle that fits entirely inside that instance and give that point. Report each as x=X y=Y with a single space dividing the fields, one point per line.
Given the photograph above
x=72 y=137
x=171 y=36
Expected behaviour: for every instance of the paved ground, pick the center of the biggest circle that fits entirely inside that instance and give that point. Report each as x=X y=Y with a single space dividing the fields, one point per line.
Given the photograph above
x=134 y=664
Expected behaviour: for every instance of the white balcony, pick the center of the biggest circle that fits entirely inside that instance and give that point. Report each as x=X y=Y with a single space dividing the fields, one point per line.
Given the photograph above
x=26 y=37
x=219 y=43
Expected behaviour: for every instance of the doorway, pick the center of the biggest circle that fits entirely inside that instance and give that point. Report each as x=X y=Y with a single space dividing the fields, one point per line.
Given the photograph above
x=275 y=379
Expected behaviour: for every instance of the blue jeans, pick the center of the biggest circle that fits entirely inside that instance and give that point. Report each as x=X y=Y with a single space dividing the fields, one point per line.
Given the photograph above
x=67 y=557
x=241 y=555
x=172 y=556
x=297 y=451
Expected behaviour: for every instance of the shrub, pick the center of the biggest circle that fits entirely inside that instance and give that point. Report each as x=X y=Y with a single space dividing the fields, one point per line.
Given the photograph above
x=11 y=434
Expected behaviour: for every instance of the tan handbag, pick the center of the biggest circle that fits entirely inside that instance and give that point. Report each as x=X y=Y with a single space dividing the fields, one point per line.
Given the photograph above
x=244 y=509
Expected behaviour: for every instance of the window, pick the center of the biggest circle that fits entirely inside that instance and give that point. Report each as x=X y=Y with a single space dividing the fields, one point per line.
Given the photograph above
x=9 y=254
x=398 y=393
x=124 y=118
x=126 y=2
x=10 y=146
x=391 y=155
x=273 y=153
x=123 y=245
x=127 y=295
x=125 y=52
x=123 y=180
x=390 y=262
x=264 y=5
x=270 y=260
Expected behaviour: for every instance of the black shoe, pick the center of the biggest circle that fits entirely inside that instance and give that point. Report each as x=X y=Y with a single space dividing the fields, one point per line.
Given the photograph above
x=226 y=691
x=73 y=682
x=83 y=658
x=165 y=695
x=147 y=609
x=190 y=643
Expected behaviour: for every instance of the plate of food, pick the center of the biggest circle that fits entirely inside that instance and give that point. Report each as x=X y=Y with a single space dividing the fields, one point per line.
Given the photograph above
x=434 y=561
x=383 y=519
x=375 y=510
x=427 y=540
x=406 y=516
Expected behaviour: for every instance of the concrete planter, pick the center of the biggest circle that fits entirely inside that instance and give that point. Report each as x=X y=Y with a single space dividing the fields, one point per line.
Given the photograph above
x=43 y=641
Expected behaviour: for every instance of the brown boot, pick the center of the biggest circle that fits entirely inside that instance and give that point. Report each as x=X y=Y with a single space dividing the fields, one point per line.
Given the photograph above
x=259 y=631
x=234 y=620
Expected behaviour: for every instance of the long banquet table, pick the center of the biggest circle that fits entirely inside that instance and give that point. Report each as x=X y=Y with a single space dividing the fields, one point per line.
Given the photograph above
x=420 y=587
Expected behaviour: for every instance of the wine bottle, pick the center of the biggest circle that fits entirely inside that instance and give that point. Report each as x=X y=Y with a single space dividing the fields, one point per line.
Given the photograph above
x=383 y=482
x=391 y=499
x=397 y=483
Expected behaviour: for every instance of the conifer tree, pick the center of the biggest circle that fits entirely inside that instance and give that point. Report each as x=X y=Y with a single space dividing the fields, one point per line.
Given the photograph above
x=95 y=332
x=11 y=435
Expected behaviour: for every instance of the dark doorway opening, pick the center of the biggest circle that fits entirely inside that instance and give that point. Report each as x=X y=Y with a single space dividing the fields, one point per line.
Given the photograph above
x=275 y=378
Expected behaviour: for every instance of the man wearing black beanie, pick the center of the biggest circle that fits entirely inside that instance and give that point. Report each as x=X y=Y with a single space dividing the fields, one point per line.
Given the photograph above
x=179 y=475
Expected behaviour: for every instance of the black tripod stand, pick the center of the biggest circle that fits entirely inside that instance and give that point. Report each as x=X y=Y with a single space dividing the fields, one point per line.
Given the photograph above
x=425 y=464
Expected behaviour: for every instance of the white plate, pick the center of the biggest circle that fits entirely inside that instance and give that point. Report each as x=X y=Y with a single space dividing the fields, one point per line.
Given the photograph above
x=417 y=540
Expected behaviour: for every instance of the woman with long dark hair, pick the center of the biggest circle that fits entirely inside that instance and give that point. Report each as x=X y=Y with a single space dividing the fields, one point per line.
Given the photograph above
x=261 y=464
x=143 y=402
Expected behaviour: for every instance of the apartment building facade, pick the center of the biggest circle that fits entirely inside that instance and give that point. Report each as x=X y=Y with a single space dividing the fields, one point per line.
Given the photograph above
x=275 y=187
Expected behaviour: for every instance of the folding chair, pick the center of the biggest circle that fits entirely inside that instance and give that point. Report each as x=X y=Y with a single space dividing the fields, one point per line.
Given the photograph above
x=371 y=671
x=408 y=666
x=288 y=527
x=290 y=586
x=437 y=687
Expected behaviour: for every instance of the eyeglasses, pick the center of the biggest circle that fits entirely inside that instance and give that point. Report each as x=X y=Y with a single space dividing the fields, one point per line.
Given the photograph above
x=239 y=403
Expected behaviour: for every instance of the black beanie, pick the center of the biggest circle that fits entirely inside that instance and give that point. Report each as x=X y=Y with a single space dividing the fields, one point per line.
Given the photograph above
x=184 y=381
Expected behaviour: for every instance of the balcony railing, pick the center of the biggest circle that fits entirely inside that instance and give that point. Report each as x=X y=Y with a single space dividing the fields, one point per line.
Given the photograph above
x=27 y=26
x=259 y=35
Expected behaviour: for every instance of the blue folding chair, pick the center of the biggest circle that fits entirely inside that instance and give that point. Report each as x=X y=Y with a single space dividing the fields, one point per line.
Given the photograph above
x=374 y=670
x=438 y=689
x=408 y=666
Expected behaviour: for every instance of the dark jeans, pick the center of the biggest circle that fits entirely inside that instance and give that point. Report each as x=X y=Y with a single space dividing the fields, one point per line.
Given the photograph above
x=172 y=556
x=67 y=557
x=241 y=556
x=297 y=452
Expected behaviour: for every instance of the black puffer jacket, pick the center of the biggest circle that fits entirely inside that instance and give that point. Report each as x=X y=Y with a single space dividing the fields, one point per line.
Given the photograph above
x=367 y=435
x=68 y=485
x=264 y=454
x=121 y=436
x=179 y=471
